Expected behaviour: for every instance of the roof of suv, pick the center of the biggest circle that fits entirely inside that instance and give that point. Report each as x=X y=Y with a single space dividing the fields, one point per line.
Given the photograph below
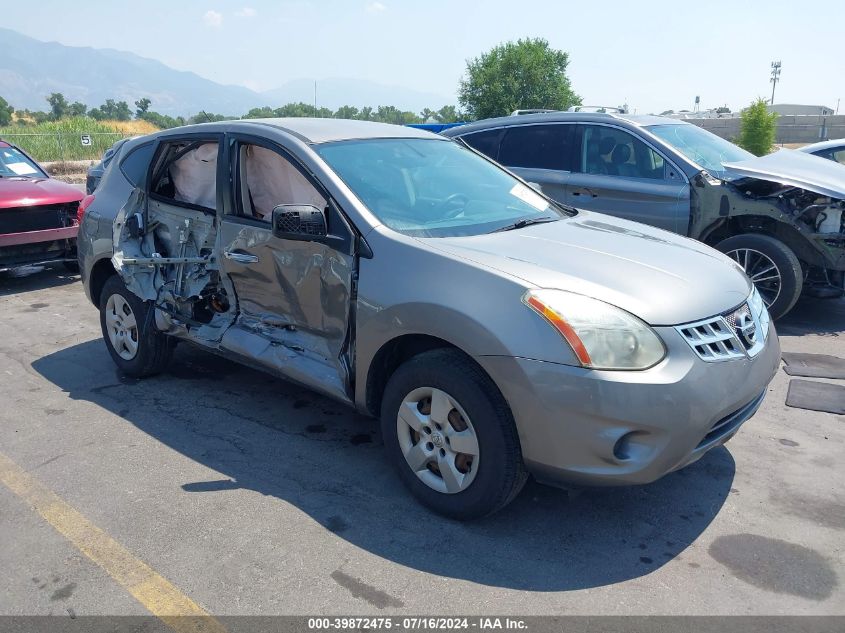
x=314 y=130
x=638 y=120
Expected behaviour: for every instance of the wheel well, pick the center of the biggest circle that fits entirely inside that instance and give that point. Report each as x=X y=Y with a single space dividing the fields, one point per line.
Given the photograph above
x=389 y=357
x=100 y=273
x=787 y=234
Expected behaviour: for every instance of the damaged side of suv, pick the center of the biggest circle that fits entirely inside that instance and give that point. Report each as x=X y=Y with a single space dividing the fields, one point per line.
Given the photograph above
x=245 y=281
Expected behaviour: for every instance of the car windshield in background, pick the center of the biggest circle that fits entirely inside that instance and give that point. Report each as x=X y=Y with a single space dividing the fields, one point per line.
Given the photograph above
x=434 y=188
x=700 y=146
x=14 y=163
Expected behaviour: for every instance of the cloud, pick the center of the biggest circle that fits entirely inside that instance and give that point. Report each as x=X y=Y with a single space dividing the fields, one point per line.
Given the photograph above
x=246 y=12
x=374 y=7
x=213 y=19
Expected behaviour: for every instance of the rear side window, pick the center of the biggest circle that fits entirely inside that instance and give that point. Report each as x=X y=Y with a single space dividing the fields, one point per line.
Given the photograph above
x=538 y=147
x=136 y=164
x=486 y=142
x=185 y=173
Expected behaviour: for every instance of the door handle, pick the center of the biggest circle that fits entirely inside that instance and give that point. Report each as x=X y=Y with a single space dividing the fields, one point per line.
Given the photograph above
x=585 y=191
x=241 y=258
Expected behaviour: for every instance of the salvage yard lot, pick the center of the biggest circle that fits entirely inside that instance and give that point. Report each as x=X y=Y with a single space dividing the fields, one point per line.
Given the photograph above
x=253 y=496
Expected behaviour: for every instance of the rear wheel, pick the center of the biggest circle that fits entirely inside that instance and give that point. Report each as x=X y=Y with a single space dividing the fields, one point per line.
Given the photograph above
x=135 y=345
x=451 y=436
x=771 y=265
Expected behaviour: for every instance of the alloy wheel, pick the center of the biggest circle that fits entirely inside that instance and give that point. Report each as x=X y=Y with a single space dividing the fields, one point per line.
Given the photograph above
x=761 y=270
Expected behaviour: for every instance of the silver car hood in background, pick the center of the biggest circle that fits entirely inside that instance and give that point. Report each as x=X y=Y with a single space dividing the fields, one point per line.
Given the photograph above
x=663 y=278
x=795 y=169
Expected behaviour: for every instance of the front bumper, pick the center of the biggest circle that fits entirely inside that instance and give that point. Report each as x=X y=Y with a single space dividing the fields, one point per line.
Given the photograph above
x=38 y=247
x=591 y=427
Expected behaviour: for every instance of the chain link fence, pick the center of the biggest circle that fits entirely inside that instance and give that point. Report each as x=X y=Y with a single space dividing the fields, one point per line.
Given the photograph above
x=64 y=146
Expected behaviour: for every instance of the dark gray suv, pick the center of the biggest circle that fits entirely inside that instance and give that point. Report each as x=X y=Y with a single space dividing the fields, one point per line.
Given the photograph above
x=779 y=216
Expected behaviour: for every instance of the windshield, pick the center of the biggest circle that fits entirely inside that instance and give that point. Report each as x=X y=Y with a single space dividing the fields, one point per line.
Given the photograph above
x=434 y=188
x=701 y=146
x=14 y=162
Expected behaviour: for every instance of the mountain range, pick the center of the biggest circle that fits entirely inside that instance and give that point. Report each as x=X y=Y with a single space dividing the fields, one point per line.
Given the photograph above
x=31 y=69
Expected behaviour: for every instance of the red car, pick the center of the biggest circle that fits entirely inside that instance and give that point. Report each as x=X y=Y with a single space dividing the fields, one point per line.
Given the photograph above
x=38 y=214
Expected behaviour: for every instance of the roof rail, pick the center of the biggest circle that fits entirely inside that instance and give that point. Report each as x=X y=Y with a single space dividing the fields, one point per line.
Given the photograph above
x=532 y=111
x=606 y=109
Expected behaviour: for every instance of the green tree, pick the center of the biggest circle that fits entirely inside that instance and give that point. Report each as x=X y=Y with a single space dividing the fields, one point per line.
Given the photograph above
x=517 y=75
x=449 y=114
x=206 y=117
x=428 y=114
x=757 y=128
x=112 y=110
x=346 y=112
x=162 y=121
x=141 y=107
x=6 y=112
x=77 y=108
x=265 y=112
x=58 y=105
x=392 y=114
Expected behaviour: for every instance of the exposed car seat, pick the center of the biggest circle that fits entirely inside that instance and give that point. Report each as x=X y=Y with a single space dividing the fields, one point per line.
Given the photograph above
x=272 y=180
x=194 y=176
x=619 y=157
x=605 y=149
x=595 y=164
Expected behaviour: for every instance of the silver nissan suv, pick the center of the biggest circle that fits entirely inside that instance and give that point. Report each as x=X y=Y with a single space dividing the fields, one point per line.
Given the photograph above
x=495 y=332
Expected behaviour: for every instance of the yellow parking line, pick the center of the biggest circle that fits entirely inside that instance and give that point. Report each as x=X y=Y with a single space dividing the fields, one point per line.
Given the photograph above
x=157 y=594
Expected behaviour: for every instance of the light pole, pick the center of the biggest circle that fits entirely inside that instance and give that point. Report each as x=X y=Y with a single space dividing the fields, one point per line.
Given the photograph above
x=775 y=78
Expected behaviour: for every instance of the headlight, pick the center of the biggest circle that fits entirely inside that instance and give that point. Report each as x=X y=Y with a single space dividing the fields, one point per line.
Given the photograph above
x=755 y=302
x=758 y=309
x=601 y=335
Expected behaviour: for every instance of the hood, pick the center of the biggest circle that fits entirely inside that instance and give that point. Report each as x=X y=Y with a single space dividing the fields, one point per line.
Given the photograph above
x=795 y=169
x=31 y=192
x=663 y=278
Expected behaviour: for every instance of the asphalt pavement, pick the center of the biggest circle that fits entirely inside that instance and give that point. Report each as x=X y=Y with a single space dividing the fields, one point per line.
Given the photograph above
x=247 y=495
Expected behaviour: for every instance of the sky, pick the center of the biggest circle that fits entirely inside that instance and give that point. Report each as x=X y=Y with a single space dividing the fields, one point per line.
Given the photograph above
x=654 y=56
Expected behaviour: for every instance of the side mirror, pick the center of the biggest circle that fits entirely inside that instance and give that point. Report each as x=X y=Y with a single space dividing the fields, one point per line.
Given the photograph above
x=299 y=222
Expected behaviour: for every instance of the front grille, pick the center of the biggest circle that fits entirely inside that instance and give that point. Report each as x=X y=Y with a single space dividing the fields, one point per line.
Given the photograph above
x=734 y=334
x=22 y=219
x=712 y=339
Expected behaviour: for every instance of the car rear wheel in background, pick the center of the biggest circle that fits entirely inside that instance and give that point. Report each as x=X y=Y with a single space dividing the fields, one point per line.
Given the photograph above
x=135 y=345
x=771 y=265
x=451 y=436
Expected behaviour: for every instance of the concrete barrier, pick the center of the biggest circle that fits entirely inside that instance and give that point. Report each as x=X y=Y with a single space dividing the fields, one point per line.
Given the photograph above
x=809 y=128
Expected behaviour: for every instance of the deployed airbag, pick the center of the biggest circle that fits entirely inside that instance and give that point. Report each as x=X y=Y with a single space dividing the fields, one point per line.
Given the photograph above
x=272 y=181
x=194 y=176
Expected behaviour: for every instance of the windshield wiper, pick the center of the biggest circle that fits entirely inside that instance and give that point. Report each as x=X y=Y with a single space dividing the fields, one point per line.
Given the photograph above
x=520 y=224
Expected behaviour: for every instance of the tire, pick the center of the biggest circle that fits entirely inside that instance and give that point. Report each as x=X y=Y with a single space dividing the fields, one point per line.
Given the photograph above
x=756 y=254
x=480 y=484
x=141 y=350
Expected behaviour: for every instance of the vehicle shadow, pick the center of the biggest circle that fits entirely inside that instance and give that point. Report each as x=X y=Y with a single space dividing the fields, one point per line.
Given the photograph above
x=30 y=278
x=825 y=317
x=275 y=438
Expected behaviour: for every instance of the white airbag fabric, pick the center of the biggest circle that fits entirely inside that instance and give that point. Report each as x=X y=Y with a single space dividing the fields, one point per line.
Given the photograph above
x=195 y=176
x=272 y=181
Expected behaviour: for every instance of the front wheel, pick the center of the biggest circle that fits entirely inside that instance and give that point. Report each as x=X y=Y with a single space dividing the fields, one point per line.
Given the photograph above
x=451 y=436
x=135 y=345
x=772 y=267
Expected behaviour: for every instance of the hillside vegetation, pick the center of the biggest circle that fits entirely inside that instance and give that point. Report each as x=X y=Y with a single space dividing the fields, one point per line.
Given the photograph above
x=62 y=140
